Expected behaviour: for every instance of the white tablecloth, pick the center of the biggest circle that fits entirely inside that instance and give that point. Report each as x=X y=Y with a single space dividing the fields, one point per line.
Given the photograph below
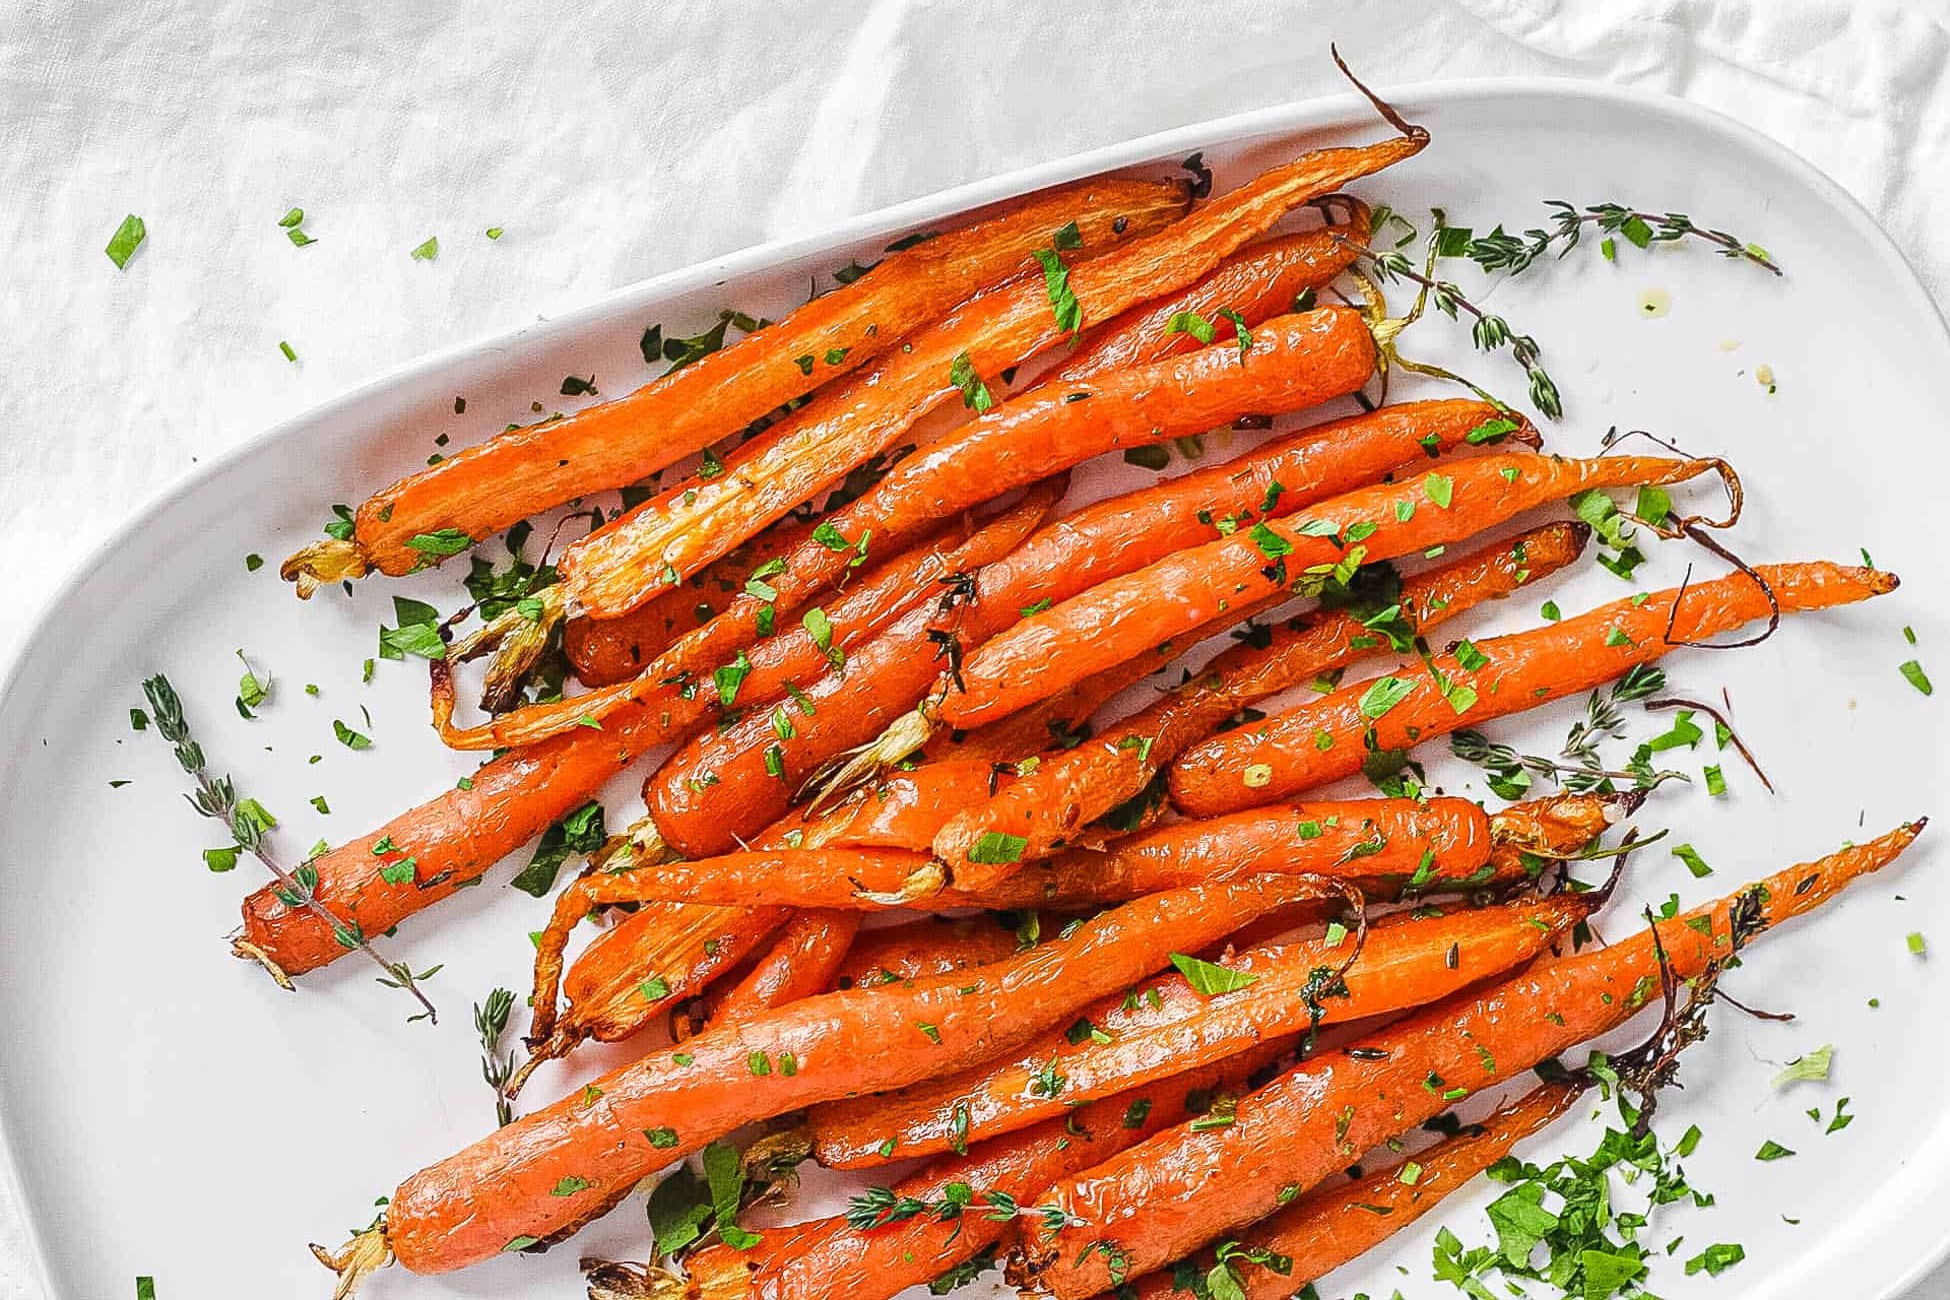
x=614 y=142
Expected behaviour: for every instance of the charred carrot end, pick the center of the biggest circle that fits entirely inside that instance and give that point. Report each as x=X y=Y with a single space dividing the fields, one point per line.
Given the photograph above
x=1067 y=791
x=1324 y=740
x=486 y=488
x=1302 y=554
x=1309 y=1122
x=1335 y=1225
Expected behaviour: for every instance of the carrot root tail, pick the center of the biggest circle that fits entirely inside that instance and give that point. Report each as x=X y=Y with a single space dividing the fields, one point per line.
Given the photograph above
x=849 y=771
x=357 y=1259
x=244 y=949
x=323 y=563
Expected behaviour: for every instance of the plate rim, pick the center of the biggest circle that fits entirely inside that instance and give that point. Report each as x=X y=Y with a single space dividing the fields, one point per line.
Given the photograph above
x=1315 y=113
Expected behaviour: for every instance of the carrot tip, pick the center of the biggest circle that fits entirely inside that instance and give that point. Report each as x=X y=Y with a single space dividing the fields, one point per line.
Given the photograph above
x=357 y=1259
x=322 y=563
x=243 y=948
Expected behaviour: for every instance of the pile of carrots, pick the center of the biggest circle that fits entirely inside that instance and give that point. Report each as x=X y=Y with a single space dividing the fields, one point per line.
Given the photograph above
x=894 y=707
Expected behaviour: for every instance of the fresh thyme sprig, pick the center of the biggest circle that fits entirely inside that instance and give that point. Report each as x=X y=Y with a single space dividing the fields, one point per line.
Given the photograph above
x=1501 y=252
x=249 y=822
x=1579 y=766
x=491 y=1022
x=877 y=1207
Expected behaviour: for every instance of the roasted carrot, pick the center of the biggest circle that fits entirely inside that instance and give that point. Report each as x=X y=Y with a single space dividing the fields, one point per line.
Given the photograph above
x=1387 y=845
x=604 y=651
x=1046 y=807
x=614 y=570
x=701 y=804
x=1163 y=1198
x=1334 y=1225
x=804 y=959
x=927 y=947
x=1255 y=285
x=459 y=834
x=503 y=1192
x=483 y=489
x=1324 y=740
x=1041 y=656
x=811 y=1261
x=1132 y=1038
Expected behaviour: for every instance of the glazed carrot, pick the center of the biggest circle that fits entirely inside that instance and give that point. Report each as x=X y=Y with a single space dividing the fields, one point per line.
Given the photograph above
x=803 y=960
x=1386 y=845
x=483 y=489
x=1257 y=284
x=1165 y=1197
x=1046 y=807
x=459 y=834
x=645 y=966
x=612 y=571
x=604 y=651
x=1286 y=753
x=1334 y=1225
x=502 y=1192
x=1132 y=1038
x=859 y=879
x=757 y=767
x=927 y=947
x=813 y=1261
x=1083 y=635
x=675 y=680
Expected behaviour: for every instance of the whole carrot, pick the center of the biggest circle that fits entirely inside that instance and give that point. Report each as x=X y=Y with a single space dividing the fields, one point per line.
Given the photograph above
x=483 y=489
x=1324 y=740
x=503 y=1192
x=1336 y=1224
x=455 y=837
x=1160 y=1200
x=1047 y=806
x=1171 y=1024
x=1253 y=286
x=1304 y=554
x=612 y=571
x=883 y=1245
x=1388 y=845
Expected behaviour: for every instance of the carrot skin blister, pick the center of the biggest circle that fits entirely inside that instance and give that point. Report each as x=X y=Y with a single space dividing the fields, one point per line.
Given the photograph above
x=1287 y=753
x=1169 y=1195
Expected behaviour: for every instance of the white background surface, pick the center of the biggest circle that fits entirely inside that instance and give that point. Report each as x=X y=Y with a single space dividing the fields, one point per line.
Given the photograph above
x=615 y=144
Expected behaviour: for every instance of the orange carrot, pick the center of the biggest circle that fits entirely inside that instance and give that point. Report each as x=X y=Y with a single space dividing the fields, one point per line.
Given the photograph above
x=1132 y=1038
x=483 y=489
x=1165 y=1197
x=1334 y=1225
x=614 y=570
x=1324 y=740
x=1046 y=807
x=1254 y=285
x=810 y=1260
x=459 y=834
x=1084 y=635
x=604 y=651
x=803 y=960
x=927 y=947
x=503 y=1193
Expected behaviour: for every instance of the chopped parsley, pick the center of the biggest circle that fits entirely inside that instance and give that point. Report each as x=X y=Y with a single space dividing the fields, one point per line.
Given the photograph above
x=127 y=238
